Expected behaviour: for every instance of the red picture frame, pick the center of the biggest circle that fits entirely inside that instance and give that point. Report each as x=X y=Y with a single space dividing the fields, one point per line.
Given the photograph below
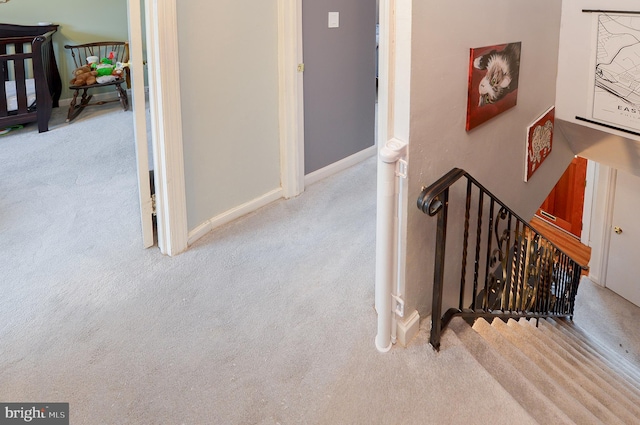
x=502 y=95
x=539 y=142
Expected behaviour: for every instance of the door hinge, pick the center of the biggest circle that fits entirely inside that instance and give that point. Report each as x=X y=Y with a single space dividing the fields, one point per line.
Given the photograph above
x=300 y=67
x=153 y=205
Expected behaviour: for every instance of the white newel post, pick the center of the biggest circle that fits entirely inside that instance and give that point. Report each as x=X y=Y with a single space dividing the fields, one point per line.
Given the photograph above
x=386 y=241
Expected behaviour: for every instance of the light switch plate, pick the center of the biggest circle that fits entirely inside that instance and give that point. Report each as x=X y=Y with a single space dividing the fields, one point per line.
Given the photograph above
x=334 y=19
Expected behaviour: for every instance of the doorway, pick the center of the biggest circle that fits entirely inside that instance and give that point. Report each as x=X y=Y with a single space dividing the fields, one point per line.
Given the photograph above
x=339 y=91
x=623 y=268
x=564 y=205
x=139 y=106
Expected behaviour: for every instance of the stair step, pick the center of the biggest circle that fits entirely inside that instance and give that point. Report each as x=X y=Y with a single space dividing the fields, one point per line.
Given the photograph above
x=479 y=387
x=630 y=367
x=575 y=388
x=596 y=345
x=597 y=364
x=536 y=378
x=588 y=345
x=609 y=361
x=620 y=402
x=530 y=398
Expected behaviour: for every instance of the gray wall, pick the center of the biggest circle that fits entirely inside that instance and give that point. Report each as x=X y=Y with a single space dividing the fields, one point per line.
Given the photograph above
x=229 y=89
x=494 y=152
x=339 y=80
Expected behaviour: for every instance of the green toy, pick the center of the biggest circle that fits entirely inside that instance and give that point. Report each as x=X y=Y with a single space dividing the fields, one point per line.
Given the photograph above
x=104 y=69
x=106 y=65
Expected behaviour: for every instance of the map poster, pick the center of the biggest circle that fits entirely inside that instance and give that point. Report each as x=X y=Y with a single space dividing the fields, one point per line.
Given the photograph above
x=616 y=98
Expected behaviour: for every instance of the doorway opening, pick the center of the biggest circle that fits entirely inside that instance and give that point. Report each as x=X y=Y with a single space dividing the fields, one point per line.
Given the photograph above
x=564 y=205
x=339 y=85
x=560 y=217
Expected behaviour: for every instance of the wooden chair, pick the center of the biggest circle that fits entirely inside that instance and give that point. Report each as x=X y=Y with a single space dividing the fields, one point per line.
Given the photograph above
x=102 y=49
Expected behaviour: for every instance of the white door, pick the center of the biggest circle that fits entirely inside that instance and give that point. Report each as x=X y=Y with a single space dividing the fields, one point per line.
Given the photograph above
x=623 y=269
x=139 y=121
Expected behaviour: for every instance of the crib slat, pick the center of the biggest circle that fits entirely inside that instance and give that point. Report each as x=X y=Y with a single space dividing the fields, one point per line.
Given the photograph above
x=21 y=86
x=3 y=91
x=22 y=51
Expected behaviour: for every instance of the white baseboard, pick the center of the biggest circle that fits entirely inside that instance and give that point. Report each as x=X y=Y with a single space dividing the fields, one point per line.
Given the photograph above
x=341 y=165
x=408 y=328
x=233 y=214
x=596 y=280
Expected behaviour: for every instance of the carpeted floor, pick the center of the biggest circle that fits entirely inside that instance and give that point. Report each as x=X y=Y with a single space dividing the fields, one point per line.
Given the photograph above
x=609 y=318
x=268 y=320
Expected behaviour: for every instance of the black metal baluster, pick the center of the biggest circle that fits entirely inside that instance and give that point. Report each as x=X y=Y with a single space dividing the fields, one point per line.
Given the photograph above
x=485 y=303
x=567 y=284
x=507 y=265
x=577 y=273
x=559 y=278
x=478 y=241
x=548 y=270
x=532 y=273
x=465 y=244
x=565 y=271
x=522 y=265
x=438 y=280
x=557 y=271
x=515 y=276
x=504 y=263
x=540 y=270
x=559 y=283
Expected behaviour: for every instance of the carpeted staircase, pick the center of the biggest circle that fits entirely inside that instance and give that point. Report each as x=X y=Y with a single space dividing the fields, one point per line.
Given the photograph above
x=555 y=371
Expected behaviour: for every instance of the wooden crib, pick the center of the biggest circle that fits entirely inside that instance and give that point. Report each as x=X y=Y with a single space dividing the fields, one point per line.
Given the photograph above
x=32 y=84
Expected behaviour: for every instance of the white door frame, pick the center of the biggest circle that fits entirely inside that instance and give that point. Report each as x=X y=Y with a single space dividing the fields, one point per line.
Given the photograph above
x=166 y=125
x=291 y=102
x=164 y=97
x=136 y=61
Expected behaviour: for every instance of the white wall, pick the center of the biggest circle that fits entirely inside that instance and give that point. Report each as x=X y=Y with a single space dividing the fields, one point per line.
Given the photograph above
x=443 y=33
x=575 y=86
x=609 y=148
x=600 y=214
x=229 y=90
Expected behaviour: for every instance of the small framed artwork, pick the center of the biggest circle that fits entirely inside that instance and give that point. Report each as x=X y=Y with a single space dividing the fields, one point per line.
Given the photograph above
x=539 y=142
x=493 y=82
